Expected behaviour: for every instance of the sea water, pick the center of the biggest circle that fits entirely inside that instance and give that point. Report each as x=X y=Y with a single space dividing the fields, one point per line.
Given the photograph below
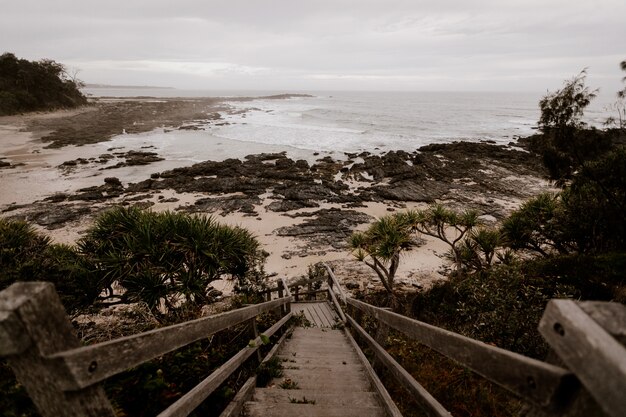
x=368 y=121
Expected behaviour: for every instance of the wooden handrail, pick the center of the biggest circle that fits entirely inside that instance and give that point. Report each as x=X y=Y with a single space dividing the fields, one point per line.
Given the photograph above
x=333 y=278
x=423 y=397
x=589 y=350
x=61 y=377
x=94 y=363
x=331 y=293
x=286 y=288
x=540 y=383
x=188 y=402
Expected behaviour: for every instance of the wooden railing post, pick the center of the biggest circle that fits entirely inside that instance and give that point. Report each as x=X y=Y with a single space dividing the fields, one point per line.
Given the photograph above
x=582 y=335
x=283 y=309
x=285 y=293
x=33 y=326
x=254 y=333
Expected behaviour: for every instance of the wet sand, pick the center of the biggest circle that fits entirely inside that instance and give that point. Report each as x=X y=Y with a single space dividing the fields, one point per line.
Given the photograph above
x=35 y=174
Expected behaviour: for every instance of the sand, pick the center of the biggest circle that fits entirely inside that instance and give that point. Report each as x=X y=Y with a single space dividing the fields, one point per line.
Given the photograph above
x=36 y=175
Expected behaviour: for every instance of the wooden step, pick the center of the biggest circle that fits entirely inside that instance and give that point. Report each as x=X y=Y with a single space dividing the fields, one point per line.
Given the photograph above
x=334 y=368
x=263 y=409
x=347 y=398
x=345 y=374
x=322 y=383
x=316 y=360
x=328 y=380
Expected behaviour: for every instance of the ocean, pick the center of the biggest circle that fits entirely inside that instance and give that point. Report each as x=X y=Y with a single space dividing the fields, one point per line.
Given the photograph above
x=369 y=121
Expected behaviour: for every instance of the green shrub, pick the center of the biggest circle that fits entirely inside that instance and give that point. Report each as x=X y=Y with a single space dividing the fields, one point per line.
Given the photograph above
x=168 y=257
x=26 y=255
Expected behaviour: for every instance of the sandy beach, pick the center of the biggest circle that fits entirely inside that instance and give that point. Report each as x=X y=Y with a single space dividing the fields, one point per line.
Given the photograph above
x=61 y=188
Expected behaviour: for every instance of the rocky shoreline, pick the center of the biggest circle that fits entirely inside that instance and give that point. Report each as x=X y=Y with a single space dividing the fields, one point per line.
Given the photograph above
x=312 y=206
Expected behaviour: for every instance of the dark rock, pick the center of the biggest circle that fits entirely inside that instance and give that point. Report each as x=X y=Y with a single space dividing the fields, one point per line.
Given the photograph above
x=352 y=285
x=113 y=182
x=284 y=205
x=326 y=227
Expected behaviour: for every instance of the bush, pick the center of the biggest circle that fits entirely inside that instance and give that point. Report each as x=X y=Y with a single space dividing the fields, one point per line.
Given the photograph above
x=168 y=258
x=501 y=306
x=26 y=255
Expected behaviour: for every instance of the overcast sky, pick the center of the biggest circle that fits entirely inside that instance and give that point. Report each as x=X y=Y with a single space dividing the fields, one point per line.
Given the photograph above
x=294 y=45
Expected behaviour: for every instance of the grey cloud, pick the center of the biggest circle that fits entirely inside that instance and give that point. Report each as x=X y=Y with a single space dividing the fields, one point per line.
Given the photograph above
x=398 y=44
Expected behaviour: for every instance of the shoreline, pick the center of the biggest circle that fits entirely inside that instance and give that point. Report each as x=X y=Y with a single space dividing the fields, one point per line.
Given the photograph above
x=301 y=205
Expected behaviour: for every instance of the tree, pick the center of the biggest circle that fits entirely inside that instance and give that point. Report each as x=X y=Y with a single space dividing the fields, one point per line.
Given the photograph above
x=478 y=250
x=565 y=108
x=619 y=106
x=380 y=246
x=165 y=259
x=593 y=206
x=565 y=145
x=36 y=85
x=445 y=224
x=534 y=227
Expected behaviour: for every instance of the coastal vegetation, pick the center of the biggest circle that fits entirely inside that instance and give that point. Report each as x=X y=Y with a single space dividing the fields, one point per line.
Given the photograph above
x=380 y=246
x=36 y=85
x=569 y=244
x=159 y=266
x=163 y=260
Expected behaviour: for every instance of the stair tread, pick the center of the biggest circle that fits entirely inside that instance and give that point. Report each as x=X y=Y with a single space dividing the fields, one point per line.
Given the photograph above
x=337 y=398
x=253 y=409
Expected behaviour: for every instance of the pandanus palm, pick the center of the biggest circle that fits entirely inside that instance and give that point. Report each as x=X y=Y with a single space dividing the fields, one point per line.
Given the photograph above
x=380 y=246
x=159 y=257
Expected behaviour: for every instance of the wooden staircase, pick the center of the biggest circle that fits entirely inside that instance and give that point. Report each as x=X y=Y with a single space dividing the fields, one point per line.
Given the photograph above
x=325 y=372
x=323 y=375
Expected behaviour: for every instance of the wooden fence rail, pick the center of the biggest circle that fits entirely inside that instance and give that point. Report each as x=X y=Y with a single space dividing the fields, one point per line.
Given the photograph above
x=538 y=382
x=62 y=377
x=588 y=337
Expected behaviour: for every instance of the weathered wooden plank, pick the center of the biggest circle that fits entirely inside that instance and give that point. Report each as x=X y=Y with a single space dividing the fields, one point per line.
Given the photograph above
x=609 y=315
x=323 y=319
x=597 y=359
x=342 y=316
x=336 y=285
x=286 y=294
x=188 y=402
x=304 y=308
x=328 y=314
x=428 y=403
x=14 y=338
x=387 y=403
x=234 y=408
x=43 y=320
x=90 y=364
x=545 y=385
x=286 y=287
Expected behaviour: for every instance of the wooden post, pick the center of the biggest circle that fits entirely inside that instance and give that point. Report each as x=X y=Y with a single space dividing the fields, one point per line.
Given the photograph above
x=309 y=289
x=297 y=293
x=287 y=294
x=254 y=333
x=283 y=309
x=579 y=335
x=33 y=326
